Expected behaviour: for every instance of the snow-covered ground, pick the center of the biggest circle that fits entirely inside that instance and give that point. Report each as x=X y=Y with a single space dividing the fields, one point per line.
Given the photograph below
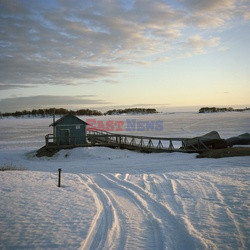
x=118 y=199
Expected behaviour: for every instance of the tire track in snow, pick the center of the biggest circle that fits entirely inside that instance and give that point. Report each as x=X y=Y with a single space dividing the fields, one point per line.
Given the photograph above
x=155 y=227
x=182 y=213
x=104 y=185
x=158 y=190
x=170 y=229
x=105 y=229
x=172 y=194
x=229 y=213
x=208 y=243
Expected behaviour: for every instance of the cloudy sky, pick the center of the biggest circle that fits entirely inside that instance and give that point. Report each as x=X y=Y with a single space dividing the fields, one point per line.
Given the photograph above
x=124 y=53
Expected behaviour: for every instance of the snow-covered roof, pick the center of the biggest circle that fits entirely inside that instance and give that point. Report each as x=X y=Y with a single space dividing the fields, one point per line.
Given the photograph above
x=65 y=117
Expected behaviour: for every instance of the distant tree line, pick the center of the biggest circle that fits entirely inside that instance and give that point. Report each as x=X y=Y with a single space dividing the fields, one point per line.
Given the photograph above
x=51 y=111
x=131 y=111
x=214 y=109
x=87 y=112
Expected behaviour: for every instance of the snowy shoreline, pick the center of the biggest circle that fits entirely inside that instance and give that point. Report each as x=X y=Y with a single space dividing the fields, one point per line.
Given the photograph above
x=121 y=199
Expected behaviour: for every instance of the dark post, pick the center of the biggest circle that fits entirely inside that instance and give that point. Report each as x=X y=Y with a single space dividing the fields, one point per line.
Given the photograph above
x=59 y=177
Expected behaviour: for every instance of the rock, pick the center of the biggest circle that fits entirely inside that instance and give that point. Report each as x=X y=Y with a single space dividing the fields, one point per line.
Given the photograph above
x=243 y=139
x=44 y=151
x=211 y=140
x=225 y=152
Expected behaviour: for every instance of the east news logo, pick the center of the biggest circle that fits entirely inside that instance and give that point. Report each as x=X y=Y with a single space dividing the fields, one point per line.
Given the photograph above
x=128 y=125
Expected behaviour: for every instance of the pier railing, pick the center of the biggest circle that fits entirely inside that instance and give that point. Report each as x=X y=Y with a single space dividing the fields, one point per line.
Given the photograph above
x=132 y=142
x=145 y=143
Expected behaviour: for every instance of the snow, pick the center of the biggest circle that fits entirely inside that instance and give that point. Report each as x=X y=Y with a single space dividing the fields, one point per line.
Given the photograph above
x=37 y=214
x=119 y=199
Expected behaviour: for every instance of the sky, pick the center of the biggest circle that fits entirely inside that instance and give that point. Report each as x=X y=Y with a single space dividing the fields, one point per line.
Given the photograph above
x=106 y=54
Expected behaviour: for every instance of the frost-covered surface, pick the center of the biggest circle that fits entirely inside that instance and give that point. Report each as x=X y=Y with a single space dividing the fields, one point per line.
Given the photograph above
x=118 y=199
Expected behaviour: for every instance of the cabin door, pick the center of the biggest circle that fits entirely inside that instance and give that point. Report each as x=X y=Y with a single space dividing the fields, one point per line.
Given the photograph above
x=64 y=137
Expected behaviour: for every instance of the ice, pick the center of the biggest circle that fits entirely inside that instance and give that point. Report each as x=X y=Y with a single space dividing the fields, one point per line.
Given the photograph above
x=120 y=199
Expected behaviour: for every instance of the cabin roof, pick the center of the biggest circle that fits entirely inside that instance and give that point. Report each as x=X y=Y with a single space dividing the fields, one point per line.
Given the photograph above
x=67 y=116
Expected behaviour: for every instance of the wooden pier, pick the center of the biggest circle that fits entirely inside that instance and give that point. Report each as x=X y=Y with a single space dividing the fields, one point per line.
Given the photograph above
x=133 y=142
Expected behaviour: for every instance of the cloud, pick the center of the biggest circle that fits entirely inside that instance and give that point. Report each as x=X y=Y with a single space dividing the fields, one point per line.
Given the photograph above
x=199 y=44
x=162 y=59
x=78 y=42
x=48 y=101
x=208 y=21
x=209 y=6
x=47 y=72
x=211 y=14
x=246 y=15
x=13 y=86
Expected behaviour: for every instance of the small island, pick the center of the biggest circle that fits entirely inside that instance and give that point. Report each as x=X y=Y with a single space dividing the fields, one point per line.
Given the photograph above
x=87 y=112
x=50 y=112
x=216 y=110
x=131 y=111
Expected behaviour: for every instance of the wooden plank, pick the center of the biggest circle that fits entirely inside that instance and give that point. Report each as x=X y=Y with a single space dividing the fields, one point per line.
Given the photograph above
x=144 y=143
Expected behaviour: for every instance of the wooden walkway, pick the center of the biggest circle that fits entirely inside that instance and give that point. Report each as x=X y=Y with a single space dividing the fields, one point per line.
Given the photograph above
x=144 y=143
x=133 y=142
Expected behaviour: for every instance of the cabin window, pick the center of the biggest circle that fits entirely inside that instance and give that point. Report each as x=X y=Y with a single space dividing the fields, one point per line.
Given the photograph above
x=78 y=126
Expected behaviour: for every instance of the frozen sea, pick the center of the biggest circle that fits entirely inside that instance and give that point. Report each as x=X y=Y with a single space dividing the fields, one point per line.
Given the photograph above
x=118 y=199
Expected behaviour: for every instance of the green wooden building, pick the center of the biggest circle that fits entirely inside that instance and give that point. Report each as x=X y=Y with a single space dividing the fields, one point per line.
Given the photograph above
x=69 y=130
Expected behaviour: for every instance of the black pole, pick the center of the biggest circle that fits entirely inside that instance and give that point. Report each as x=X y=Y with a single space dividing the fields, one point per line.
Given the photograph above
x=59 y=177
